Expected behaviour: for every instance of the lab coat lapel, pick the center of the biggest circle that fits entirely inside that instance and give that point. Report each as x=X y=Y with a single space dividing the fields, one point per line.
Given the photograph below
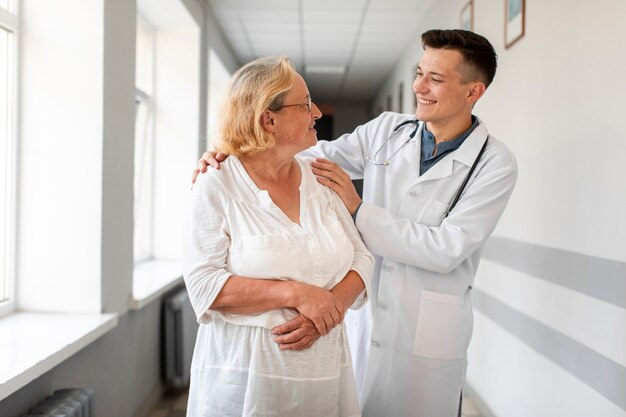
x=470 y=148
x=441 y=169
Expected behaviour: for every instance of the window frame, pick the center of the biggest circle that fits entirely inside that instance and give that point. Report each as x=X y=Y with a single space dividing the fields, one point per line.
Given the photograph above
x=146 y=99
x=9 y=21
x=141 y=98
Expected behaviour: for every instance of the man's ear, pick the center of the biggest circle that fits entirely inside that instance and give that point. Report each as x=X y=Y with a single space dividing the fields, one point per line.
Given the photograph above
x=268 y=121
x=475 y=92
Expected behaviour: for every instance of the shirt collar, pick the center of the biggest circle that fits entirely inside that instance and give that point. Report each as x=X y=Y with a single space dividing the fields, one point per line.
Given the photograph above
x=428 y=139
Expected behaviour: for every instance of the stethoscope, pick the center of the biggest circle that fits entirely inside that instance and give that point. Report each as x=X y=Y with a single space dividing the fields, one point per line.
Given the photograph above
x=373 y=159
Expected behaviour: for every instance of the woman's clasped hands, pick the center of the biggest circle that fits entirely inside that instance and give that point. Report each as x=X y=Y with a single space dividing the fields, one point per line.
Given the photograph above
x=319 y=312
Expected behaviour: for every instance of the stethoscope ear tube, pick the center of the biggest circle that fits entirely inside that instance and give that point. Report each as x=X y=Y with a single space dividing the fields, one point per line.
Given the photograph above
x=406 y=122
x=372 y=159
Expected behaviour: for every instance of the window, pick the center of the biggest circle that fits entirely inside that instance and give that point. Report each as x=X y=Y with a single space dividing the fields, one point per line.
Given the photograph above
x=8 y=33
x=219 y=76
x=166 y=139
x=144 y=144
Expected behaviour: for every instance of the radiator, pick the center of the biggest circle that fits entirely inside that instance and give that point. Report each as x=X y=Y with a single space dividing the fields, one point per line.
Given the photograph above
x=68 y=402
x=179 y=337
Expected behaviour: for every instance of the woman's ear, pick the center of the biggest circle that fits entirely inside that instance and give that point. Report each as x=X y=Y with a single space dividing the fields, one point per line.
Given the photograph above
x=268 y=121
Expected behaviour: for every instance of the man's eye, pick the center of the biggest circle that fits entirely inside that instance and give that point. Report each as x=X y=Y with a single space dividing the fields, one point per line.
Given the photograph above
x=418 y=74
x=436 y=80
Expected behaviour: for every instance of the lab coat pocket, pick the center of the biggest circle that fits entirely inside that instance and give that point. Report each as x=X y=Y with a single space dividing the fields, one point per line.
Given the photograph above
x=444 y=326
x=433 y=213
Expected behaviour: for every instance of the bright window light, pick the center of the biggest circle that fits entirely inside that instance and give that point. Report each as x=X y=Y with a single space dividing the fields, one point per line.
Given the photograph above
x=218 y=83
x=144 y=145
x=144 y=179
x=8 y=5
x=7 y=155
x=144 y=70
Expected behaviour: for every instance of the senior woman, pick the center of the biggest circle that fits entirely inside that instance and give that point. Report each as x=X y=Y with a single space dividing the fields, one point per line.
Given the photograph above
x=270 y=251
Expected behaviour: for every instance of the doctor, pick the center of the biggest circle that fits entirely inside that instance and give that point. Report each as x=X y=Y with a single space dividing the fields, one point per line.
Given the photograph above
x=409 y=346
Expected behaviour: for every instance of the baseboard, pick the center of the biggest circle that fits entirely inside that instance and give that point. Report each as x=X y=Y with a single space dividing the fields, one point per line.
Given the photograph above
x=480 y=405
x=151 y=401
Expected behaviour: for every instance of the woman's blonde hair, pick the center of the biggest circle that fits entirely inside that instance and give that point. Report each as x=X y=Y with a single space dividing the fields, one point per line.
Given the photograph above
x=255 y=87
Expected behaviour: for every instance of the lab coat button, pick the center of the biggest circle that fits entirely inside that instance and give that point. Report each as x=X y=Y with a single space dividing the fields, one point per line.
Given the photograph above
x=374 y=344
x=383 y=307
x=413 y=194
x=388 y=267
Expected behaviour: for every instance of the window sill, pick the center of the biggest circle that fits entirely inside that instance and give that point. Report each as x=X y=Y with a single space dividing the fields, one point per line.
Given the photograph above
x=33 y=343
x=152 y=279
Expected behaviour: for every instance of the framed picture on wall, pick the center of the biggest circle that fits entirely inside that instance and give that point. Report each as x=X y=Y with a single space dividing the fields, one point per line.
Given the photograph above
x=514 y=21
x=466 y=18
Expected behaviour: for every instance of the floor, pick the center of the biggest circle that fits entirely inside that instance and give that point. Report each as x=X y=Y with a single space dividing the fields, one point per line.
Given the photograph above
x=172 y=405
x=175 y=405
x=469 y=408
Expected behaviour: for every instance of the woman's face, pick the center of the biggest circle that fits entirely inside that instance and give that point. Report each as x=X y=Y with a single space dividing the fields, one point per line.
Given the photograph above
x=294 y=122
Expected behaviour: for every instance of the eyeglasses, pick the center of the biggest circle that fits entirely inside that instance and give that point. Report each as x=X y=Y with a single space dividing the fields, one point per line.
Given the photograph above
x=374 y=159
x=308 y=104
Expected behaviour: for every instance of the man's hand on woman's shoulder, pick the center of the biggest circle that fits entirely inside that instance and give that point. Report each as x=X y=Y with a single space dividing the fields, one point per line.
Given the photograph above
x=209 y=158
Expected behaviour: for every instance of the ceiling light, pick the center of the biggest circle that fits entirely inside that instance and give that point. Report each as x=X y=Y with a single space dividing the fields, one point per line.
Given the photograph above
x=325 y=69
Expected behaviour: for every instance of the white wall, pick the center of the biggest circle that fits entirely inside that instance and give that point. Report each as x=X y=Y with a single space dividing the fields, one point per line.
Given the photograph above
x=563 y=85
x=122 y=367
x=550 y=295
x=118 y=154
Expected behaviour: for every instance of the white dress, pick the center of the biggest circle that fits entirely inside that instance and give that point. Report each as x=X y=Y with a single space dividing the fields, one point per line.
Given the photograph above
x=235 y=228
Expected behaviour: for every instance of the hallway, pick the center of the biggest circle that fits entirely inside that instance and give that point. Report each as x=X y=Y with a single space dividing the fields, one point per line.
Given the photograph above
x=106 y=106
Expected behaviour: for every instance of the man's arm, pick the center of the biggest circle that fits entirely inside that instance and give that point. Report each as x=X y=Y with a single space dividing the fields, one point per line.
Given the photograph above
x=348 y=151
x=440 y=248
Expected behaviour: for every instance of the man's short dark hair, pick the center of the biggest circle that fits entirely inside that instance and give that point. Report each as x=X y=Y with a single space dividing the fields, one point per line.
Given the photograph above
x=480 y=59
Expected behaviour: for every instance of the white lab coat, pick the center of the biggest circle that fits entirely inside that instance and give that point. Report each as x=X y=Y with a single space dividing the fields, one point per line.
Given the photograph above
x=418 y=324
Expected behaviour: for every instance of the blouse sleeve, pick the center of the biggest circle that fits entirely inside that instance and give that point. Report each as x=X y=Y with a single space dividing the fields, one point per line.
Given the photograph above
x=206 y=243
x=363 y=262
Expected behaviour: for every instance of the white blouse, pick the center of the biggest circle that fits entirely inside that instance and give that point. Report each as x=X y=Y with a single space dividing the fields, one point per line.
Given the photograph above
x=236 y=228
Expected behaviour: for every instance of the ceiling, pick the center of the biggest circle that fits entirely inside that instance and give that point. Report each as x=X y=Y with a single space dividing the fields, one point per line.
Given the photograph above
x=366 y=37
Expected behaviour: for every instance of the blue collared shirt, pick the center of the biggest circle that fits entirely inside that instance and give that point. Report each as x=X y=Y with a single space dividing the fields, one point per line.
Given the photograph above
x=427 y=159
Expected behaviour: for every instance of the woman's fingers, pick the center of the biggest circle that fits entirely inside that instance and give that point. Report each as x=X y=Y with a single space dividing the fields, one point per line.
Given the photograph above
x=321 y=307
x=297 y=334
x=302 y=344
x=320 y=324
x=289 y=326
